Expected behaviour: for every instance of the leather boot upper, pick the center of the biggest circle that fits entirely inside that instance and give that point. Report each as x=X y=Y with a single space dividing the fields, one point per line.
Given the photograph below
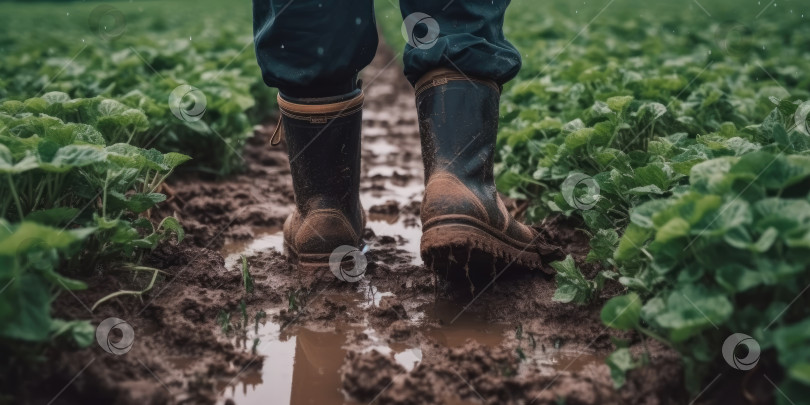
x=323 y=144
x=458 y=122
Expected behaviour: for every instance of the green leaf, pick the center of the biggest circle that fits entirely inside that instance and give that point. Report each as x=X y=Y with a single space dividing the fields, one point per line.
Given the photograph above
x=172 y=159
x=172 y=225
x=54 y=216
x=619 y=103
x=72 y=156
x=143 y=201
x=602 y=245
x=30 y=236
x=620 y=362
x=692 y=309
x=29 y=295
x=674 y=229
x=634 y=238
x=571 y=285
x=82 y=333
x=622 y=312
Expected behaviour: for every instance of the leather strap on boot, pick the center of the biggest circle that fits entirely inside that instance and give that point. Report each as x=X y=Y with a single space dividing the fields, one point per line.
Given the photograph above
x=440 y=76
x=314 y=113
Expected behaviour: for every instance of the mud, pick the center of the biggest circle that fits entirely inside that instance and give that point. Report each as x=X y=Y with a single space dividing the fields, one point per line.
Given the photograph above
x=399 y=336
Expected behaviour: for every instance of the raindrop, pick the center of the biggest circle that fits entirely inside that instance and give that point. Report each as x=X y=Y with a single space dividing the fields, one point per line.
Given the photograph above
x=320 y=51
x=189 y=38
x=358 y=20
x=282 y=46
x=68 y=13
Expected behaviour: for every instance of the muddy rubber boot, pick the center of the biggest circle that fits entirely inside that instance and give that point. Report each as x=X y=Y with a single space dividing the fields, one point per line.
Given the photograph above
x=323 y=143
x=465 y=224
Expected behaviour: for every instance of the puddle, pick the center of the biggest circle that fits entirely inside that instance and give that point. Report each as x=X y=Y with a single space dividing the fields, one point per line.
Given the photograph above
x=446 y=323
x=301 y=363
x=266 y=238
x=556 y=361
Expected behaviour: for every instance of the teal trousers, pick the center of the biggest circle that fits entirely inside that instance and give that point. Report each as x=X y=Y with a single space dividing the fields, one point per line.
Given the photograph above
x=316 y=48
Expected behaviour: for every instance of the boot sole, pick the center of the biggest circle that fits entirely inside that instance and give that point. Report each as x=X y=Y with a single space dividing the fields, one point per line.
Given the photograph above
x=479 y=252
x=310 y=266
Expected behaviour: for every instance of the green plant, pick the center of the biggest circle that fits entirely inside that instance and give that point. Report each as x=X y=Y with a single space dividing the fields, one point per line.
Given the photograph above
x=247 y=279
x=29 y=257
x=688 y=194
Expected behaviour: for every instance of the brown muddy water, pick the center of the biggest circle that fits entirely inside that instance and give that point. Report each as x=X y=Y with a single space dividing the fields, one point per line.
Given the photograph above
x=302 y=363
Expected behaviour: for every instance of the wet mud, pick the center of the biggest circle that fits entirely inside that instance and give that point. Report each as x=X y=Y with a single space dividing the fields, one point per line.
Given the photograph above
x=400 y=335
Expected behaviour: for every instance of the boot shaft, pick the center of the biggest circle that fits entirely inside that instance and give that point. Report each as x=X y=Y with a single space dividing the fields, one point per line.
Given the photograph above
x=323 y=144
x=458 y=123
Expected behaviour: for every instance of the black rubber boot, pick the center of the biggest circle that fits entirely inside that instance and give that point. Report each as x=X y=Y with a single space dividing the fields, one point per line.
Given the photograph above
x=465 y=224
x=323 y=143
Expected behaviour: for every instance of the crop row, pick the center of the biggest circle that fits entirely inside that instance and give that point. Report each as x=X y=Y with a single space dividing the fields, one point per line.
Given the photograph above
x=97 y=108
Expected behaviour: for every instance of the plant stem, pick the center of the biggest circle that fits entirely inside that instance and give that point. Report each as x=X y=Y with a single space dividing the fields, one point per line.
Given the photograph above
x=16 y=197
x=131 y=292
x=104 y=197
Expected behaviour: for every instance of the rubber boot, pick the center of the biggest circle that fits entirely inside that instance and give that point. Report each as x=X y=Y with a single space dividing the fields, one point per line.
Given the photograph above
x=465 y=224
x=323 y=143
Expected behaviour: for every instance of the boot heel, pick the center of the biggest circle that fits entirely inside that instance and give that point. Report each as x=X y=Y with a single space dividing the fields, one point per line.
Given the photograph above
x=476 y=253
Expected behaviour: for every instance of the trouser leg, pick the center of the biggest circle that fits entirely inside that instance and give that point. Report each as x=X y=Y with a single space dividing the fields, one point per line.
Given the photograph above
x=313 y=48
x=463 y=35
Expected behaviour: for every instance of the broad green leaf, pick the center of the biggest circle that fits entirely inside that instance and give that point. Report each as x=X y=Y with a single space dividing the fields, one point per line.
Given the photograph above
x=618 y=104
x=172 y=225
x=620 y=362
x=622 y=312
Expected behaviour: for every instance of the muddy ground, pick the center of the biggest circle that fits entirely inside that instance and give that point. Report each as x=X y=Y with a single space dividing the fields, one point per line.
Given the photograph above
x=399 y=336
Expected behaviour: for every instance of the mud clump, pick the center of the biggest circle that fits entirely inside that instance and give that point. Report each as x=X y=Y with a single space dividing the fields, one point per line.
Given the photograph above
x=366 y=375
x=390 y=208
